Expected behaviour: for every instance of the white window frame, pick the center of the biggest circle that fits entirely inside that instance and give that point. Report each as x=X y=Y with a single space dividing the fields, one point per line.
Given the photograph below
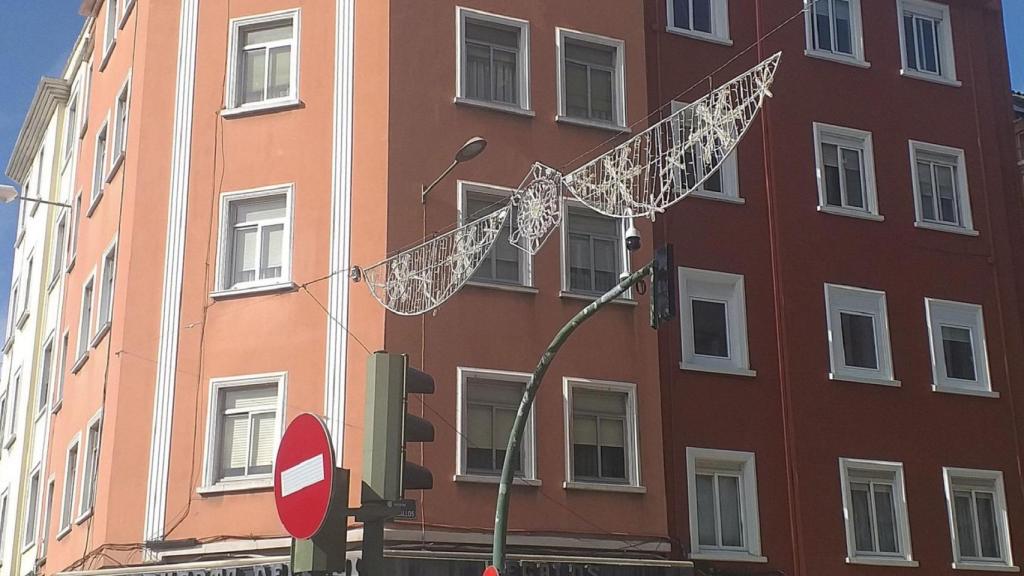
x=959 y=315
x=715 y=286
x=38 y=180
x=527 y=446
x=71 y=124
x=110 y=26
x=67 y=497
x=224 y=251
x=57 y=263
x=958 y=156
x=465 y=190
x=633 y=474
x=103 y=324
x=946 y=51
x=51 y=490
x=86 y=94
x=951 y=476
x=624 y=254
x=85 y=323
x=119 y=143
x=126 y=9
x=619 y=93
x=76 y=224
x=58 y=387
x=4 y=500
x=90 y=470
x=99 y=180
x=729 y=173
x=862 y=302
x=26 y=291
x=854 y=139
x=46 y=375
x=522 y=63
x=743 y=463
x=856 y=36
x=11 y=434
x=719 y=24
x=853 y=470
x=211 y=484
x=31 y=519
x=232 y=104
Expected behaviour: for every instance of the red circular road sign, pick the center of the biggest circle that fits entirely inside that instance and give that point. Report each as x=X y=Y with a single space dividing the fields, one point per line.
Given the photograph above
x=304 y=476
x=491 y=571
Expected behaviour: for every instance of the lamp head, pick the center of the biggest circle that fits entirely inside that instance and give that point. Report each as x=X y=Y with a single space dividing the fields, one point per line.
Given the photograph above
x=7 y=193
x=471 y=149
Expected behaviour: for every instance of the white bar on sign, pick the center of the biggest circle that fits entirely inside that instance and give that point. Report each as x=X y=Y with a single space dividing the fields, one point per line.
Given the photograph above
x=302 y=475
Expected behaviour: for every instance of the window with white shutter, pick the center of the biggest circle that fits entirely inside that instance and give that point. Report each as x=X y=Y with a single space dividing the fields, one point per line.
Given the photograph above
x=244 y=429
x=489 y=402
x=255 y=239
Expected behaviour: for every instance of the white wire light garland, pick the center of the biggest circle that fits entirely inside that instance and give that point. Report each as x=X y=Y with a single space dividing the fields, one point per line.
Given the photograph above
x=537 y=207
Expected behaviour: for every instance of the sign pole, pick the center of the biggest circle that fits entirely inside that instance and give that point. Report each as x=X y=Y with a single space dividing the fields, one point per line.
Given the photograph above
x=326 y=551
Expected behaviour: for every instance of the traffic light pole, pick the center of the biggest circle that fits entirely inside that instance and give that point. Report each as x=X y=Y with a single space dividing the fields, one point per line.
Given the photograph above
x=516 y=436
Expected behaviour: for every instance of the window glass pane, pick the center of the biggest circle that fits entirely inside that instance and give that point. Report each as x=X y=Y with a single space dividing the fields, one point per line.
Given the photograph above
x=860 y=499
x=504 y=420
x=264 y=438
x=577 y=99
x=591 y=54
x=279 y=77
x=706 y=525
x=927 y=190
x=272 y=265
x=958 y=351
x=492 y=34
x=859 y=340
x=505 y=64
x=585 y=447
x=927 y=41
x=254 y=72
x=234 y=447
x=823 y=24
x=885 y=512
x=702 y=15
x=258 y=210
x=909 y=41
x=853 y=177
x=579 y=263
x=480 y=450
x=613 y=463
x=267 y=34
x=710 y=328
x=244 y=255
x=602 y=86
x=946 y=188
x=606 y=269
x=987 y=530
x=478 y=71
x=729 y=510
x=844 y=29
x=502 y=264
x=963 y=516
x=681 y=14
x=833 y=187
x=596 y=402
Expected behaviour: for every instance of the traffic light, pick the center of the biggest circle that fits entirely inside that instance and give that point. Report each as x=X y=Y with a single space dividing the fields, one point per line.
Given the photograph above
x=663 y=292
x=389 y=427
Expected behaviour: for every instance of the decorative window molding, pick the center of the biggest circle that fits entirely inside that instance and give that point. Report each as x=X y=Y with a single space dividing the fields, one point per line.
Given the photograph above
x=926 y=41
x=505 y=261
x=268 y=214
x=858 y=335
x=604 y=413
x=713 y=313
x=586 y=238
x=835 y=31
x=845 y=161
x=582 y=52
x=956 y=333
x=286 y=23
x=67 y=510
x=484 y=39
x=979 y=524
x=490 y=398
x=875 y=509
x=701 y=19
x=709 y=473
x=941 y=194
x=90 y=468
x=723 y=184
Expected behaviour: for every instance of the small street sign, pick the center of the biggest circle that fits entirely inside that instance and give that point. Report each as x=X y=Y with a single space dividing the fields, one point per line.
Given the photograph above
x=491 y=571
x=406 y=509
x=304 y=477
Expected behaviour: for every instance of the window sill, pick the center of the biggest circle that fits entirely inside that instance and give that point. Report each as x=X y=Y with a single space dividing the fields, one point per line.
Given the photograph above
x=723 y=556
x=505 y=287
x=850 y=213
x=261 y=108
x=985 y=567
x=54 y=279
x=79 y=363
x=29 y=546
x=8 y=344
x=71 y=264
x=610 y=126
x=733 y=371
x=10 y=440
x=840 y=59
x=63 y=532
x=706 y=195
x=83 y=516
x=864 y=380
x=98 y=337
x=496 y=106
x=20 y=237
x=706 y=37
x=22 y=319
x=590 y=298
x=907 y=73
x=253 y=290
x=485 y=479
x=114 y=167
x=896 y=562
x=93 y=203
x=84 y=128
x=946 y=228
x=57 y=406
x=127 y=12
x=947 y=389
x=236 y=486
x=107 y=53
x=600 y=487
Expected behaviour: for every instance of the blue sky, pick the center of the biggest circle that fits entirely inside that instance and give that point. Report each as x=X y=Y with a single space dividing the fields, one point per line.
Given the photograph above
x=36 y=37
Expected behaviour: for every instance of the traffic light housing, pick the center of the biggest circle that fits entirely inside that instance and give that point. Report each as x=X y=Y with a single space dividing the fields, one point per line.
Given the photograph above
x=663 y=291
x=389 y=428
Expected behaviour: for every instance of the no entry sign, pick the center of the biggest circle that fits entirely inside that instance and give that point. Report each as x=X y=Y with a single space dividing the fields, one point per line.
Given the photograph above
x=304 y=477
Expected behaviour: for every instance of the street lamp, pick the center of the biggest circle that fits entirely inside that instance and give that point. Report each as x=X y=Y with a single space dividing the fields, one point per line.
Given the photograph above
x=471 y=149
x=8 y=194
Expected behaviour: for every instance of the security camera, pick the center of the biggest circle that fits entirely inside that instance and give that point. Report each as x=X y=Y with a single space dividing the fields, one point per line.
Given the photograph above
x=632 y=239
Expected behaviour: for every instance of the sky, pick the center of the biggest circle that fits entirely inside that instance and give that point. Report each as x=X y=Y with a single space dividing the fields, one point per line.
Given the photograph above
x=36 y=37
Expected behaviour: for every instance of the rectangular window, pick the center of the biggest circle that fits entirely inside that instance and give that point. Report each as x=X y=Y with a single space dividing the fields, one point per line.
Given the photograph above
x=489 y=402
x=59 y=246
x=99 y=168
x=76 y=223
x=494 y=64
x=31 y=510
x=696 y=175
x=255 y=239
x=714 y=322
x=3 y=417
x=976 y=501
x=959 y=357
x=874 y=505
x=12 y=419
x=940 y=185
x=47 y=513
x=70 y=477
x=71 y=125
x=121 y=123
x=244 y=427
x=3 y=516
x=591 y=78
x=846 y=171
x=91 y=469
x=264 y=57
x=602 y=433
x=858 y=335
x=58 y=391
x=926 y=36
x=85 y=320
x=107 y=289
x=26 y=293
x=722 y=490
x=593 y=251
x=15 y=306
x=834 y=30
x=505 y=264
x=109 y=27
x=38 y=179
x=703 y=19
x=45 y=374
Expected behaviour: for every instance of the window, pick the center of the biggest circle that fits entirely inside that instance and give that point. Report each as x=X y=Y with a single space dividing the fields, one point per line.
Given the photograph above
x=846 y=171
x=721 y=184
x=85 y=92
x=3 y=516
x=26 y=293
x=591 y=79
x=940 y=188
x=71 y=125
x=75 y=225
x=505 y=264
x=926 y=36
x=601 y=427
x=875 y=508
x=120 y=124
x=109 y=28
x=3 y=416
x=15 y=306
x=858 y=335
x=12 y=420
x=713 y=313
x=834 y=30
x=99 y=167
x=45 y=373
x=978 y=523
x=107 y=289
x=265 y=60
x=31 y=510
x=494 y=59
x=255 y=239
x=38 y=179
x=704 y=19
x=243 y=430
x=70 y=477
x=722 y=495
x=85 y=320
x=959 y=357
x=59 y=246
x=91 y=468
x=489 y=400
x=58 y=391
x=593 y=251
x=47 y=513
